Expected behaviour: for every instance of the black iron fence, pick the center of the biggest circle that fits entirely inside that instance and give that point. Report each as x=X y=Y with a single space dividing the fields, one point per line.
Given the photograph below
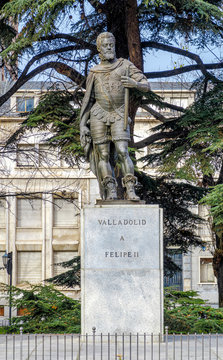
x=111 y=347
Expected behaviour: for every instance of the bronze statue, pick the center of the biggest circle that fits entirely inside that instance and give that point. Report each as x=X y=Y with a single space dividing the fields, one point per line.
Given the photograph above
x=104 y=117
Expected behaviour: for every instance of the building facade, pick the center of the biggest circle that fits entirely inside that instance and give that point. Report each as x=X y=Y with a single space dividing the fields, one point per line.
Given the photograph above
x=41 y=199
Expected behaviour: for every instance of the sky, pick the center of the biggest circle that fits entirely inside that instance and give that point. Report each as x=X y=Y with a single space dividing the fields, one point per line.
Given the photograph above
x=156 y=60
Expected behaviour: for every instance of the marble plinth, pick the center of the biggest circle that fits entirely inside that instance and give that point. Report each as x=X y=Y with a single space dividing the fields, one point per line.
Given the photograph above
x=122 y=269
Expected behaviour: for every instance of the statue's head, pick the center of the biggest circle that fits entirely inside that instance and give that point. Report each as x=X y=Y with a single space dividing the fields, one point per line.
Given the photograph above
x=106 y=46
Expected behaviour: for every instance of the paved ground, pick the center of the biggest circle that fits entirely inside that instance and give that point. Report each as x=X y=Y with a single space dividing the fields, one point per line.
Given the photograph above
x=60 y=347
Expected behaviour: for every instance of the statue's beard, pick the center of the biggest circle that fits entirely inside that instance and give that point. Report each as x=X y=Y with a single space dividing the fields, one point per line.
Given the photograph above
x=109 y=56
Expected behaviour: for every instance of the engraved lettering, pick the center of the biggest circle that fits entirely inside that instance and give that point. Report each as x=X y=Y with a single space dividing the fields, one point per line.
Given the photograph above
x=121 y=254
x=122 y=238
x=122 y=222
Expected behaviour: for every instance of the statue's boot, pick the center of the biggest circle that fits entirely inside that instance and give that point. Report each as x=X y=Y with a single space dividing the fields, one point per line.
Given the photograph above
x=110 y=186
x=129 y=182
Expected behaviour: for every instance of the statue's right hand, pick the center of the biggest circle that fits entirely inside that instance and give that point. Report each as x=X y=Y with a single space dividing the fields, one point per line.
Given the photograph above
x=85 y=135
x=85 y=131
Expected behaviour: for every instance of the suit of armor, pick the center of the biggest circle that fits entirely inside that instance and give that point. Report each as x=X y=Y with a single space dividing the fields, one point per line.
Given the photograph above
x=103 y=114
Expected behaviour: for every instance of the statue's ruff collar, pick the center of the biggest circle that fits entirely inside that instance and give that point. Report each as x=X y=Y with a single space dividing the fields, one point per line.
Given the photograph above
x=106 y=68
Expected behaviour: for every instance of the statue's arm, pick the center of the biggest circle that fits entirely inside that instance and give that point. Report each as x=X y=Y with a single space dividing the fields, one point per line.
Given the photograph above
x=85 y=134
x=88 y=102
x=136 y=79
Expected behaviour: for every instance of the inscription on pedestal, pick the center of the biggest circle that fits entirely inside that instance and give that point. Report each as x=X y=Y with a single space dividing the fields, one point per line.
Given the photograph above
x=122 y=269
x=115 y=222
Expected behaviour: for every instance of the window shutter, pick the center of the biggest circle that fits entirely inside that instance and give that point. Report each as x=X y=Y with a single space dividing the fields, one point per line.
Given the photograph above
x=29 y=212
x=29 y=266
x=64 y=212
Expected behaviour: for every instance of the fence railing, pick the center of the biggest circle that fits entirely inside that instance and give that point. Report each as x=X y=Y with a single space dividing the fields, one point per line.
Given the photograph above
x=111 y=347
x=4 y=322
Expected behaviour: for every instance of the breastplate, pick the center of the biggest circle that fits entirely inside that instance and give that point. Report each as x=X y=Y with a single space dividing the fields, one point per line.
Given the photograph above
x=108 y=89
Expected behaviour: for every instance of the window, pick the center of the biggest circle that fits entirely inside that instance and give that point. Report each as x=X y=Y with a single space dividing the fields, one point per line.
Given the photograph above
x=29 y=212
x=59 y=257
x=65 y=211
x=22 y=312
x=24 y=104
x=206 y=271
x=175 y=281
x=48 y=156
x=179 y=101
x=2 y=310
x=2 y=213
x=29 y=265
x=30 y=155
x=26 y=155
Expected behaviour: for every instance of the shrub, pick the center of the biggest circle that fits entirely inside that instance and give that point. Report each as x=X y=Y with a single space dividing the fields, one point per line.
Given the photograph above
x=185 y=312
x=45 y=310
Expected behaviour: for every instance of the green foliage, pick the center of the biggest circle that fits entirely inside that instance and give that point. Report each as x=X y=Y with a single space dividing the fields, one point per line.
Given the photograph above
x=46 y=310
x=180 y=223
x=40 y=17
x=161 y=19
x=71 y=277
x=185 y=313
x=55 y=114
x=197 y=150
x=214 y=199
x=199 y=20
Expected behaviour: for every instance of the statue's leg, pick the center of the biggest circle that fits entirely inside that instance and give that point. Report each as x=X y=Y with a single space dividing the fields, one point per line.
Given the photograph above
x=104 y=167
x=129 y=180
x=127 y=166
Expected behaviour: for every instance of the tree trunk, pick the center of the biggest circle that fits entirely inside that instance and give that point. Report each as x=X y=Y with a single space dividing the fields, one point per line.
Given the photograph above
x=218 y=268
x=220 y=284
x=133 y=34
x=116 y=22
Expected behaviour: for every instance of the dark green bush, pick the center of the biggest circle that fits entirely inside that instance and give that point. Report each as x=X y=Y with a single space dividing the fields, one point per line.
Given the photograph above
x=46 y=310
x=185 y=312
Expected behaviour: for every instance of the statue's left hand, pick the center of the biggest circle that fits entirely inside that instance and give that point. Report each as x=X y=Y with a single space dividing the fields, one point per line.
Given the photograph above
x=128 y=82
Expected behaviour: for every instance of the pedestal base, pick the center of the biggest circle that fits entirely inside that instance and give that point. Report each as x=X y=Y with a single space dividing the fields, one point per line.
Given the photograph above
x=122 y=269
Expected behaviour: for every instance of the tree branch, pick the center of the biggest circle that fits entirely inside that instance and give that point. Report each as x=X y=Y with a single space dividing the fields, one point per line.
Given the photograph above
x=175 y=50
x=220 y=177
x=155 y=137
x=84 y=44
x=165 y=104
x=47 y=53
x=173 y=107
x=181 y=70
x=154 y=113
x=61 y=68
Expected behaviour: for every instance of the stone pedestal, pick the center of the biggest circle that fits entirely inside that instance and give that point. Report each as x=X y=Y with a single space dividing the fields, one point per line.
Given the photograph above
x=122 y=269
